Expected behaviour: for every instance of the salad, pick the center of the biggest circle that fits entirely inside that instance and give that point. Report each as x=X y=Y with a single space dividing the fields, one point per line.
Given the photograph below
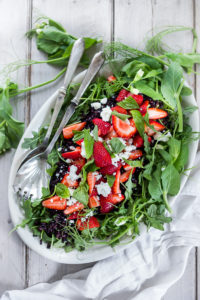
x=124 y=150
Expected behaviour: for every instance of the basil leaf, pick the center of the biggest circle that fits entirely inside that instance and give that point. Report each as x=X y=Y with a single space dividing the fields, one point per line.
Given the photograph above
x=81 y=193
x=170 y=84
x=62 y=190
x=89 y=143
x=95 y=133
x=110 y=179
x=139 y=121
x=128 y=103
x=117 y=145
x=121 y=116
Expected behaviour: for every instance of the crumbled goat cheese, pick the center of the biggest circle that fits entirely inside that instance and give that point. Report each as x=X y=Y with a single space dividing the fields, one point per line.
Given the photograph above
x=59 y=149
x=83 y=152
x=71 y=201
x=71 y=191
x=104 y=101
x=71 y=221
x=130 y=148
x=72 y=173
x=90 y=214
x=162 y=137
x=96 y=105
x=130 y=141
x=106 y=113
x=103 y=189
x=123 y=141
x=97 y=175
x=163 y=169
x=127 y=121
x=83 y=219
x=134 y=91
x=51 y=200
x=68 y=160
x=72 y=148
x=115 y=160
x=100 y=139
x=120 y=223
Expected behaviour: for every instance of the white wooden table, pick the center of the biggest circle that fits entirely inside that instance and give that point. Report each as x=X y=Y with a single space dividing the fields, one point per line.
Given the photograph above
x=125 y=20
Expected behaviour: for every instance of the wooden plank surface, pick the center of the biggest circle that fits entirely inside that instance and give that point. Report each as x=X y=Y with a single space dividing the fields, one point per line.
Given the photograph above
x=128 y=21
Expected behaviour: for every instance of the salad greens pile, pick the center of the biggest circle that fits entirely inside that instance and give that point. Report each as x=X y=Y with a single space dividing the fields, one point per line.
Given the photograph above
x=157 y=73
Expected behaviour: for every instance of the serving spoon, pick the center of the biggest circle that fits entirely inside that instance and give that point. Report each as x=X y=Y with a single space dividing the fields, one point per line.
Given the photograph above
x=32 y=175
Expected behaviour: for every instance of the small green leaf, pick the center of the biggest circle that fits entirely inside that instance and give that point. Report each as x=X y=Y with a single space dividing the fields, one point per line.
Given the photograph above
x=134 y=163
x=89 y=143
x=62 y=190
x=81 y=193
x=45 y=192
x=121 y=116
x=110 y=179
x=129 y=103
x=95 y=133
x=117 y=145
x=139 y=121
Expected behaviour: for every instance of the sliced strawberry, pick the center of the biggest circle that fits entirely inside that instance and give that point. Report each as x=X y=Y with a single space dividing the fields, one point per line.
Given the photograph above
x=122 y=95
x=127 y=167
x=94 y=192
x=116 y=185
x=94 y=201
x=111 y=134
x=110 y=169
x=156 y=125
x=73 y=216
x=138 y=141
x=122 y=128
x=79 y=142
x=102 y=157
x=92 y=222
x=73 y=208
x=125 y=176
x=135 y=154
x=111 y=78
x=55 y=203
x=91 y=180
x=156 y=113
x=103 y=126
x=68 y=182
x=149 y=139
x=106 y=206
x=72 y=154
x=119 y=109
x=68 y=131
x=143 y=107
x=115 y=198
x=79 y=163
x=137 y=98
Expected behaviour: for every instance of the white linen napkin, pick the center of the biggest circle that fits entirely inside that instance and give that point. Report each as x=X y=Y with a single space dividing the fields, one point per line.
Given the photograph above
x=147 y=267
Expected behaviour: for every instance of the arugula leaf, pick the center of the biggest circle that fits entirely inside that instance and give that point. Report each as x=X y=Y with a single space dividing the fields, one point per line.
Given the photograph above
x=116 y=145
x=89 y=143
x=81 y=193
x=26 y=205
x=110 y=179
x=170 y=84
x=62 y=190
x=121 y=116
x=139 y=121
x=35 y=140
x=128 y=103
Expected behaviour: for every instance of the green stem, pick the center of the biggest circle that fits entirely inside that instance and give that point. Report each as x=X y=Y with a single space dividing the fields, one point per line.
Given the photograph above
x=166 y=202
x=2 y=123
x=119 y=235
x=194 y=46
x=41 y=84
x=179 y=108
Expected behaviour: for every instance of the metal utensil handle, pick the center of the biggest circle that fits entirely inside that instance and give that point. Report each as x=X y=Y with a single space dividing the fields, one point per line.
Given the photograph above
x=76 y=54
x=94 y=67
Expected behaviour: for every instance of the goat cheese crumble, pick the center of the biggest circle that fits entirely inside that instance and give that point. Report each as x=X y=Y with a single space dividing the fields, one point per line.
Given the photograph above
x=106 y=113
x=96 y=105
x=104 y=101
x=103 y=189
x=72 y=173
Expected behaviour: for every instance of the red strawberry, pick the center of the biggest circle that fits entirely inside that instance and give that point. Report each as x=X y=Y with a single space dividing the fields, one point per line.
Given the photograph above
x=68 y=131
x=102 y=157
x=143 y=107
x=79 y=142
x=94 y=192
x=115 y=198
x=73 y=208
x=106 y=206
x=125 y=176
x=119 y=109
x=156 y=113
x=128 y=167
x=137 y=98
x=122 y=128
x=111 y=78
x=91 y=180
x=138 y=141
x=111 y=133
x=135 y=154
x=149 y=139
x=55 y=203
x=73 y=216
x=92 y=222
x=79 y=163
x=68 y=182
x=110 y=169
x=73 y=154
x=116 y=185
x=122 y=95
x=94 y=201
x=156 y=125
x=103 y=126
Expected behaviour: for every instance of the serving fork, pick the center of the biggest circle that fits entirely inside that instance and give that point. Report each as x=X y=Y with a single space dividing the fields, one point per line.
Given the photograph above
x=32 y=175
